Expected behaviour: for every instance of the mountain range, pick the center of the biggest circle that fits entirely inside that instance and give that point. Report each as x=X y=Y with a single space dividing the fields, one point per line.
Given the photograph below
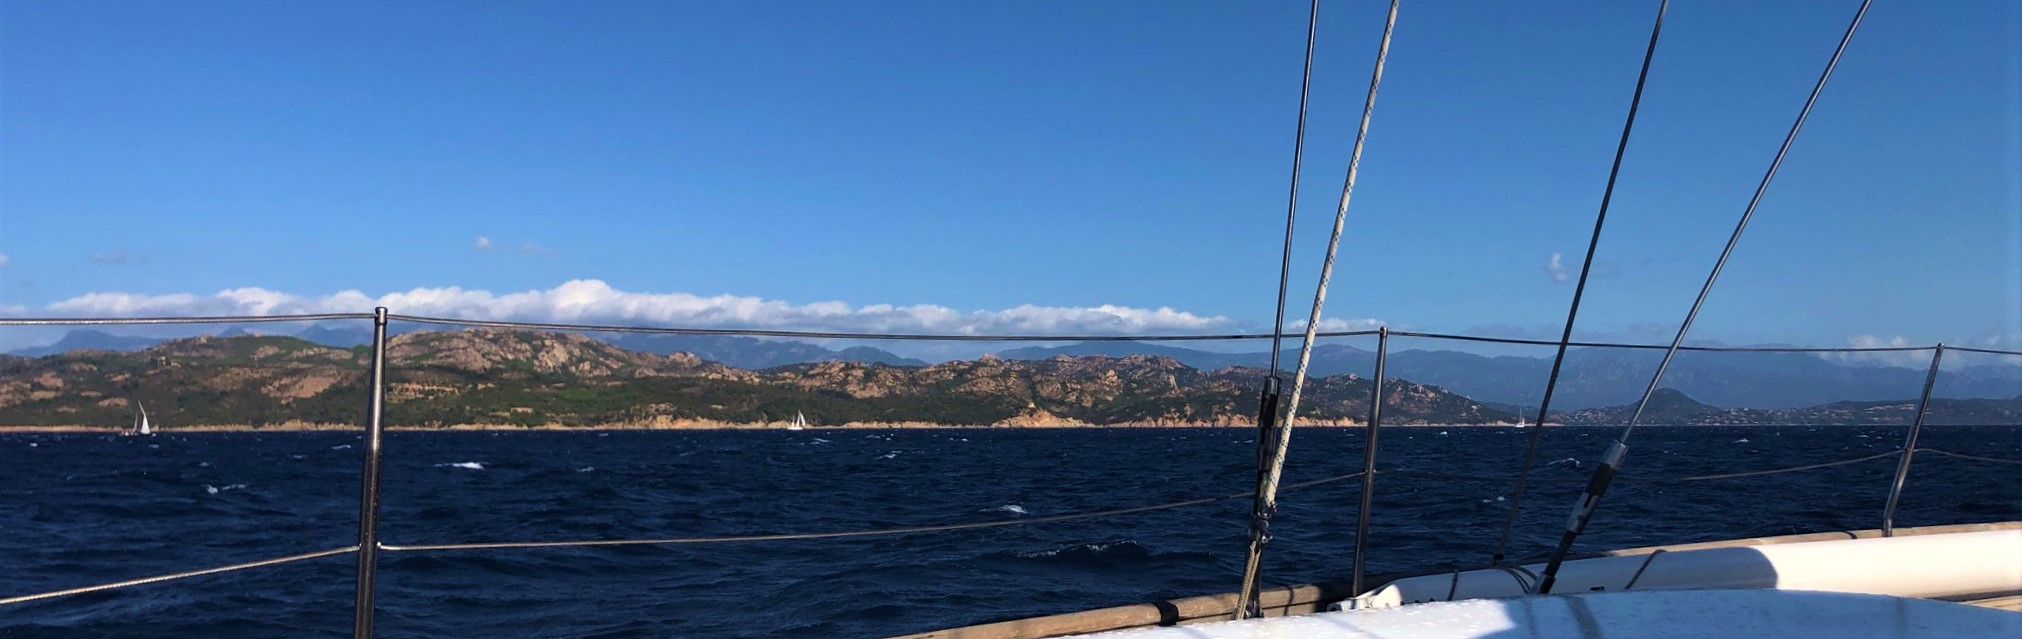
x=1670 y=407
x=733 y=350
x=1592 y=377
x=1595 y=377
x=527 y=378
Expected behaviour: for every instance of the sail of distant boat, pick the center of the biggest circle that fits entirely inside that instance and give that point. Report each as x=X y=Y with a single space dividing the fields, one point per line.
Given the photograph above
x=799 y=421
x=140 y=423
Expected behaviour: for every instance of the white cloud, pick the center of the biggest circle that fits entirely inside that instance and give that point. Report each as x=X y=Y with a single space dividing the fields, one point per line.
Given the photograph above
x=530 y=247
x=1336 y=324
x=1557 y=268
x=482 y=243
x=1922 y=358
x=4 y=260
x=593 y=301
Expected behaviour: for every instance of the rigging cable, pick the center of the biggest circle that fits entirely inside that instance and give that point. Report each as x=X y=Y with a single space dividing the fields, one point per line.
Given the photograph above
x=1579 y=289
x=1267 y=485
x=1268 y=396
x=1611 y=461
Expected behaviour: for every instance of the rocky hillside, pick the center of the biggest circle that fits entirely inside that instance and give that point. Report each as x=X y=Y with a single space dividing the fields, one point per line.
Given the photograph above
x=486 y=376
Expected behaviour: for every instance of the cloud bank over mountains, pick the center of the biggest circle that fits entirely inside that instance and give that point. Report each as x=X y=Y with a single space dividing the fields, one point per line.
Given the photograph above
x=590 y=301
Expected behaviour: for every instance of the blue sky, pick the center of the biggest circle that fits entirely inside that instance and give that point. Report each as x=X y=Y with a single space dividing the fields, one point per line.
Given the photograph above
x=1027 y=166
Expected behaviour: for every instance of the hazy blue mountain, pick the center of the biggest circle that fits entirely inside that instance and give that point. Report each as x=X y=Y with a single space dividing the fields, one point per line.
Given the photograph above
x=749 y=352
x=1607 y=376
x=86 y=339
x=345 y=336
x=1670 y=407
x=868 y=355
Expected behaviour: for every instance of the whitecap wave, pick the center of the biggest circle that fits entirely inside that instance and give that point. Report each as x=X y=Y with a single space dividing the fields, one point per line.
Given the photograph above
x=587 y=469
x=340 y=447
x=1089 y=548
x=1743 y=440
x=469 y=465
x=1014 y=509
x=218 y=489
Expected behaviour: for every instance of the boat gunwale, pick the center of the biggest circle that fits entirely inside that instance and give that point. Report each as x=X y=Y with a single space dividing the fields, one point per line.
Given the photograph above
x=1317 y=596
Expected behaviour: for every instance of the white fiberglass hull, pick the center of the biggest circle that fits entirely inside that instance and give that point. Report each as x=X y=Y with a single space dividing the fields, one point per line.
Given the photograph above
x=1953 y=566
x=1657 y=614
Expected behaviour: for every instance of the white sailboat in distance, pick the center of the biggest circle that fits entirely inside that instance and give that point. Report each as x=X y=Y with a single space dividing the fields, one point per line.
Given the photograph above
x=799 y=422
x=140 y=423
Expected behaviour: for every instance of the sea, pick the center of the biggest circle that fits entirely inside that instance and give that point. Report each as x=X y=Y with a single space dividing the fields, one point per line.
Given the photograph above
x=81 y=509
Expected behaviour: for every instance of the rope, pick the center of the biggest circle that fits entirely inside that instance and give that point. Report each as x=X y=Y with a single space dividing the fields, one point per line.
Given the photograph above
x=1579 y=289
x=845 y=534
x=1268 y=396
x=1618 y=449
x=179 y=575
x=1639 y=569
x=212 y=319
x=1268 y=487
x=1995 y=460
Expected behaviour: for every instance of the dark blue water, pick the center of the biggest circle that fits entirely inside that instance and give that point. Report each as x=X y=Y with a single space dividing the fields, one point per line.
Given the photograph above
x=83 y=509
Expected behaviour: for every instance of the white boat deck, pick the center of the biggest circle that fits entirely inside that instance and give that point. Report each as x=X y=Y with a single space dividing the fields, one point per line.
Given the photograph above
x=1675 y=614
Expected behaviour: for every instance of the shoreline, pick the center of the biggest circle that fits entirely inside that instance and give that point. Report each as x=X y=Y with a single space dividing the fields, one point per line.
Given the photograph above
x=311 y=428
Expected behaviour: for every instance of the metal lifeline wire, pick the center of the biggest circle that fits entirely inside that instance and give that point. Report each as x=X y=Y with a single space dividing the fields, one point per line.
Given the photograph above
x=881 y=532
x=1579 y=289
x=755 y=332
x=1267 y=487
x=684 y=330
x=177 y=575
x=1656 y=480
x=239 y=319
x=663 y=541
x=921 y=529
x=1611 y=460
x=1269 y=395
x=1977 y=458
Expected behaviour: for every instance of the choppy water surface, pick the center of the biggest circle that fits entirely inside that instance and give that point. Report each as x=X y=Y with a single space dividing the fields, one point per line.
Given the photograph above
x=83 y=509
